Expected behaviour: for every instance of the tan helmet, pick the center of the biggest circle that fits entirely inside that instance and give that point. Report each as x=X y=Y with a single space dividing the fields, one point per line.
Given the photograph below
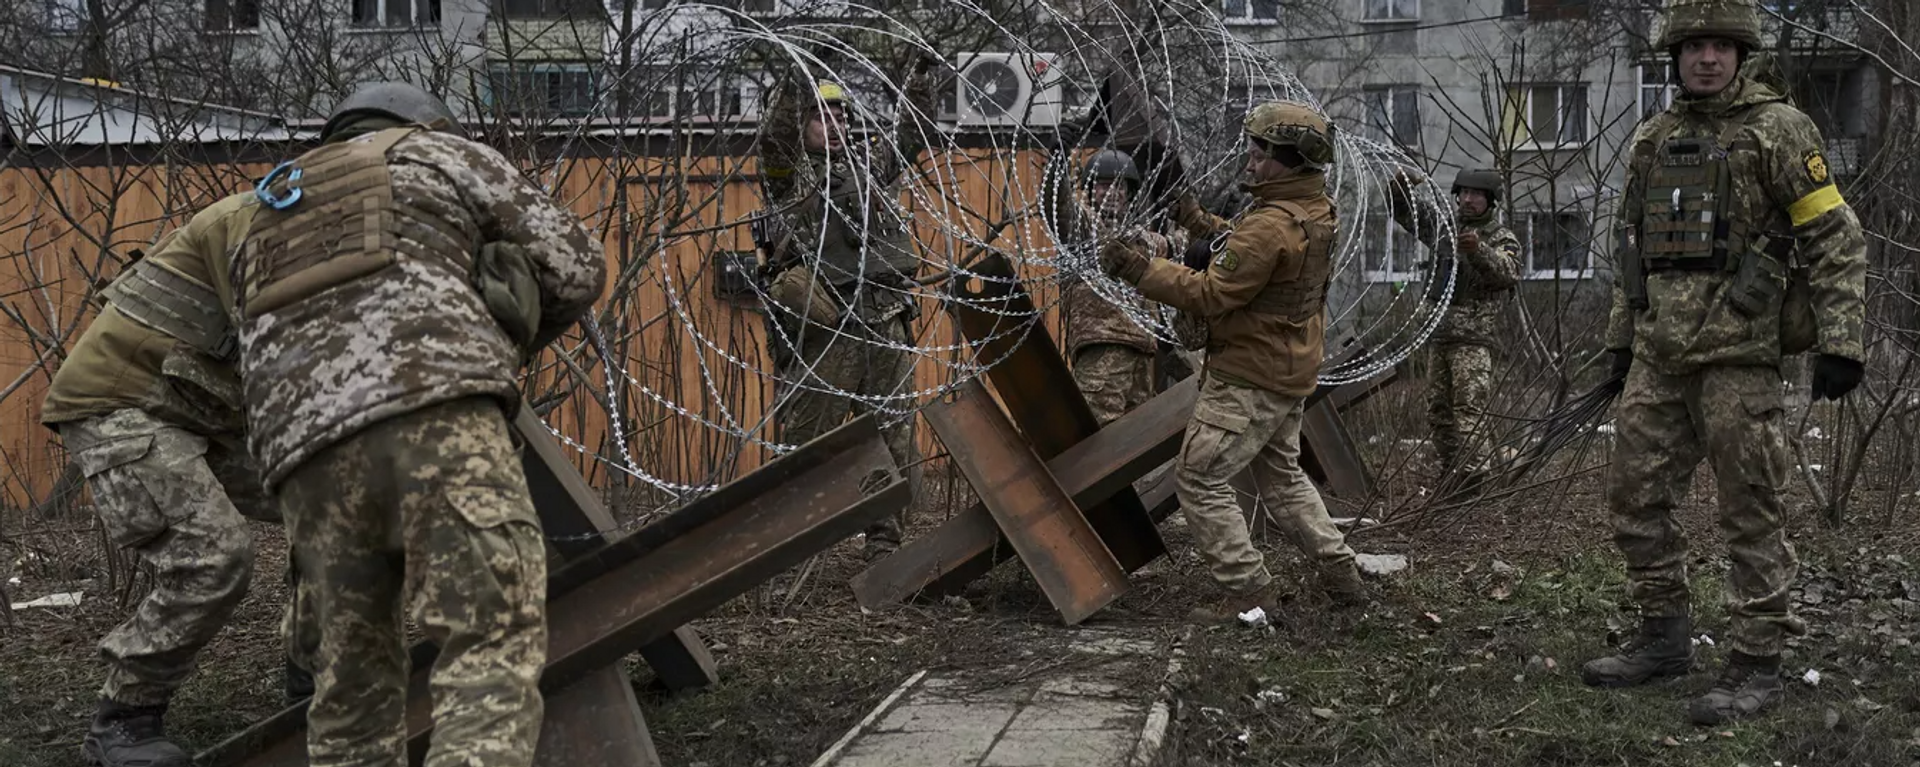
x=1291 y=123
x=1736 y=20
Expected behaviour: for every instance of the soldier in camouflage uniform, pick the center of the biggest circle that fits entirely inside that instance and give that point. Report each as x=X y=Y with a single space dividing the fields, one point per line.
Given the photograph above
x=1460 y=368
x=842 y=263
x=1112 y=357
x=384 y=314
x=148 y=405
x=1722 y=188
x=1264 y=298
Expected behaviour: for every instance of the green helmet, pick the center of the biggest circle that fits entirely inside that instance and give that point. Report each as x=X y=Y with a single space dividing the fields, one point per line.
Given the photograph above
x=401 y=101
x=1736 y=20
x=1291 y=123
x=1479 y=178
x=1112 y=165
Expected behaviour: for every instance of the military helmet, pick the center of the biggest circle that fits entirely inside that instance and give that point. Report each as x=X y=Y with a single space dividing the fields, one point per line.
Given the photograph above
x=1736 y=20
x=830 y=92
x=401 y=101
x=1291 y=123
x=1479 y=178
x=1112 y=165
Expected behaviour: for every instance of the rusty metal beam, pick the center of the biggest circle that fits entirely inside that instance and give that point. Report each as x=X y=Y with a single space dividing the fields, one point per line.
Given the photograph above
x=636 y=589
x=1074 y=569
x=1033 y=382
x=1329 y=455
x=575 y=523
x=969 y=544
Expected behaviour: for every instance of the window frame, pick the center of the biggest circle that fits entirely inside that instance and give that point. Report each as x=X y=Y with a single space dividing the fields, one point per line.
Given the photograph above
x=1528 y=220
x=1367 y=17
x=1394 y=239
x=1394 y=92
x=523 y=72
x=1252 y=15
x=418 y=19
x=1669 y=86
x=230 y=28
x=1525 y=114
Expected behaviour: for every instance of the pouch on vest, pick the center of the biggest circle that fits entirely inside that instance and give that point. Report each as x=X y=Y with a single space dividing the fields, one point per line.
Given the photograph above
x=804 y=293
x=1799 y=331
x=1759 y=277
x=503 y=273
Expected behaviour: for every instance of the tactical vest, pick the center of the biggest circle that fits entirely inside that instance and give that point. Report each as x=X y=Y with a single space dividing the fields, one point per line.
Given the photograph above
x=861 y=238
x=1303 y=295
x=175 y=304
x=343 y=227
x=1683 y=208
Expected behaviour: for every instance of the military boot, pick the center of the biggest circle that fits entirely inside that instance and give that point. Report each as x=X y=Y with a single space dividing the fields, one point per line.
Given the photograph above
x=131 y=736
x=1343 y=585
x=1664 y=648
x=1747 y=685
x=1226 y=609
x=299 y=682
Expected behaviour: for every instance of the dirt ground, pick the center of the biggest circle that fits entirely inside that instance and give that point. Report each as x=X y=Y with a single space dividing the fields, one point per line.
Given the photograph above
x=1471 y=656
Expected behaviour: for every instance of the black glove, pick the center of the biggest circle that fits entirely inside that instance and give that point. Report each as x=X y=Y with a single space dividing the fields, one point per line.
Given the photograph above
x=1199 y=255
x=1834 y=376
x=1617 y=377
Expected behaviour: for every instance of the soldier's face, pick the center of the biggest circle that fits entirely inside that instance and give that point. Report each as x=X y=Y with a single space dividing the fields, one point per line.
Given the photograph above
x=1472 y=202
x=1261 y=165
x=1111 y=199
x=827 y=131
x=1707 y=64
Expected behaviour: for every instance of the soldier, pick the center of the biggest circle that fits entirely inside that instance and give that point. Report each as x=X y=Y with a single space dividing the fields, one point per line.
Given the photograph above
x=842 y=268
x=1460 y=369
x=1112 y=356
x=1721 y=188
x=393 y=282
x=148 y=405
x=1264 y=298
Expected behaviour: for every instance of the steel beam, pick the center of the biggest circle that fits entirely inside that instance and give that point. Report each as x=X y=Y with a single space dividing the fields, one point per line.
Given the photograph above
x=575 y=523
x=1073 y=567
x=1033 y=382
x=969 y=544
x=638 y=588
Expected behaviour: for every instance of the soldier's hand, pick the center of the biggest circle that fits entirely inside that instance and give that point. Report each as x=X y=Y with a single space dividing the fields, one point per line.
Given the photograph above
x=1407 y=178
x=1467 y=242
x=1123 y=263
x=1834 y=376
x=1617 y=377
x=1157 y=244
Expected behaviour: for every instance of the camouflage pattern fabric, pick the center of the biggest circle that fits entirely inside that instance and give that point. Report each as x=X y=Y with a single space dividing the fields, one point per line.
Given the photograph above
x=416 y=333
x=1236 y=428
x=1732 y=417
x=1114 y=378
x=168 y=495
x=428 y=511
x=858 y=356
x=1781 y=184
x=1459 y=384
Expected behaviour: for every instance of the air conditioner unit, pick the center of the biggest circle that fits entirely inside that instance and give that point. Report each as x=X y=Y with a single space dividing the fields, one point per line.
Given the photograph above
x=1008 y=89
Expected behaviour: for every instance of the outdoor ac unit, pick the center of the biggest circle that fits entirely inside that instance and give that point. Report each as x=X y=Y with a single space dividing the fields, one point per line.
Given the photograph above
x=1007 y=89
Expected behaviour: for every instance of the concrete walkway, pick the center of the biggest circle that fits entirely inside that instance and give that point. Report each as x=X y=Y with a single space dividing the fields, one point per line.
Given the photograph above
x=1104 y=708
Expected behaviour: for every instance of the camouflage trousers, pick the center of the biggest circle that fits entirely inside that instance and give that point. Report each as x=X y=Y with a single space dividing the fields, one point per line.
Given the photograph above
x=1235 y=429
x=1459 y=384
x=177 y=499
x=851 y=358
x=427 y=510
x=1115 y=378
x=1731 y=416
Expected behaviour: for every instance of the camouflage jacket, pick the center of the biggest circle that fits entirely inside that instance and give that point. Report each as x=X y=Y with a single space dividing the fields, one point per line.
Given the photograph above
x=841 y=207
x=1090 y=319
x=1780 y=185
x=1265 y=255
x=319 y=365
x=121 y=363
x=1484 y=280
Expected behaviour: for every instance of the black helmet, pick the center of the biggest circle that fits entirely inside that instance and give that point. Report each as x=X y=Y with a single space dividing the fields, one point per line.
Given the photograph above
x=1479 y=178
x=1112 y=164
x=401 y=101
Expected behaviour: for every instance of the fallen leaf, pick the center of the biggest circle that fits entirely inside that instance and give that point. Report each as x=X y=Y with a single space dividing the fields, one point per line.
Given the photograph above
x=1833 y=719
x=1323 y=713
x=1669 y=741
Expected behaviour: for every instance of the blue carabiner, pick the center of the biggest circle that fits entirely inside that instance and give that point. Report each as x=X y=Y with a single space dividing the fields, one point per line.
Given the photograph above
x=266 y=196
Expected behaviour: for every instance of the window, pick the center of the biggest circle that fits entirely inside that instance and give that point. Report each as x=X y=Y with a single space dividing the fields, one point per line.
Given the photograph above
x=547 y=9
x=396 y=13
x=1556 y=244
x=232 y=15
x=666 y=97
x=1239 y=99
x=1392 y=10
x=1546 y=116
x=543 y=89
x=66 y=15
x=1393 y=113
x=1250 y=11
x=1657 y=87
x=1547 y=10
x=1391 y=254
